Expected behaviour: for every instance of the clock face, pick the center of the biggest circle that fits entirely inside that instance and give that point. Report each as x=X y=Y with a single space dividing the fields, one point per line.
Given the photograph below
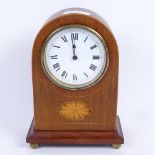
x=75 y=57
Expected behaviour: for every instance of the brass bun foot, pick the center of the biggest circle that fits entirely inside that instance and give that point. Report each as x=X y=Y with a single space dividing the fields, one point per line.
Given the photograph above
x=116 y=146
x=34 y=146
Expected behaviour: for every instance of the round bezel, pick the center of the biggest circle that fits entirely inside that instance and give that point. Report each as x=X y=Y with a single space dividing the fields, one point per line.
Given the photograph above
x=74 y=86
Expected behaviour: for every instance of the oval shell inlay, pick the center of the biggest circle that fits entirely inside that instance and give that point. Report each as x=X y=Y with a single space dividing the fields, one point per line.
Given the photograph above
x=74 y=110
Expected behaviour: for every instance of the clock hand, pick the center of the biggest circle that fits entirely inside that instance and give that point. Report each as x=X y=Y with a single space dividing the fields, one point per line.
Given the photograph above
x=73 y=47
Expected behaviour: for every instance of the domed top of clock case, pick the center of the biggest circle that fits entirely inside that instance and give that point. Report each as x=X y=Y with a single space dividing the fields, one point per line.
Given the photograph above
x=83 y=17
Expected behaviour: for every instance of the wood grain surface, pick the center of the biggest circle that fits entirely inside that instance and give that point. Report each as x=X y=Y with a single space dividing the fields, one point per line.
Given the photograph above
x=75 y=137
x=101 y=98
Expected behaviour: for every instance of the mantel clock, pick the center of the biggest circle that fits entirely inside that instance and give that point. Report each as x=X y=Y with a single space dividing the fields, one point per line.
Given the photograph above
x=75 y=81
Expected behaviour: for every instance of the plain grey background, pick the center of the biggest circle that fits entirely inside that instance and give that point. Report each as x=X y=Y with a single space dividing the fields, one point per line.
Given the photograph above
x=133 y=24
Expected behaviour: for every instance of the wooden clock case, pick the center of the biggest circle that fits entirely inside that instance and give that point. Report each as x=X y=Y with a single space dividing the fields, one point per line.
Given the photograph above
x=102 y=126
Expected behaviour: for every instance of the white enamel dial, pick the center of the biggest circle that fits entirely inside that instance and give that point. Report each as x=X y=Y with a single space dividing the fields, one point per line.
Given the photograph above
x=74 y=57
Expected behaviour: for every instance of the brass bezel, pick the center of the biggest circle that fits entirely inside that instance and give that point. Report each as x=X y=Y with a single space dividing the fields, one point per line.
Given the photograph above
x=70 y=86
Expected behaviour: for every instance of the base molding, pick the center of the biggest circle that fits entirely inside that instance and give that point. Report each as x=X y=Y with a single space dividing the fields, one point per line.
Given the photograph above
x=75 y=137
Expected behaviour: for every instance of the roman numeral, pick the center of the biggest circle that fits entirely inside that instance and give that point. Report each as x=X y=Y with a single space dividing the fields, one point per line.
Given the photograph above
x=85 y=74
x=64 y=74
x=56 y=66
x=74 y=36
x=92 y=67
x=54 y=56
x=64 y=39
x=96 y=57
x=56 y=46
x=85 y=39
x=92 y=47
x=74 y=77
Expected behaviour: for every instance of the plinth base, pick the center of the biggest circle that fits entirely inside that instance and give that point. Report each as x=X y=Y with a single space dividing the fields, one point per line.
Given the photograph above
x=36 y=137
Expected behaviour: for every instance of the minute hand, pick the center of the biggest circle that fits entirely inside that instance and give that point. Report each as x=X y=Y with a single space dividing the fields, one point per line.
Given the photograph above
x=73 y=47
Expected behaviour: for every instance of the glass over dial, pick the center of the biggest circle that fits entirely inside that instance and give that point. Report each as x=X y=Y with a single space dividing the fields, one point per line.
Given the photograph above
x=75 y=57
